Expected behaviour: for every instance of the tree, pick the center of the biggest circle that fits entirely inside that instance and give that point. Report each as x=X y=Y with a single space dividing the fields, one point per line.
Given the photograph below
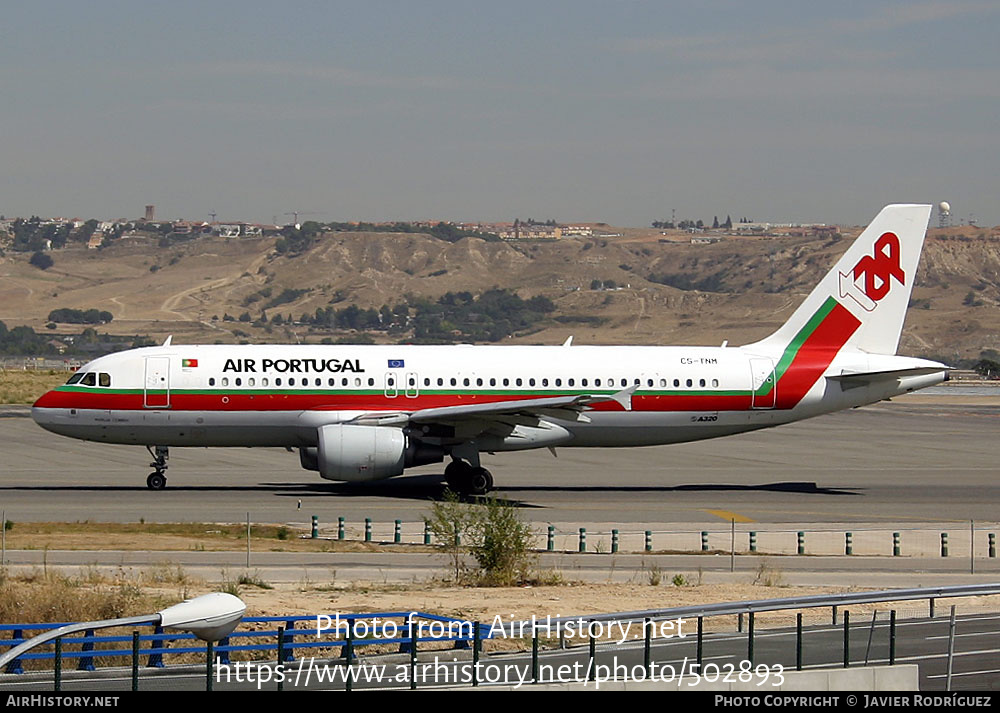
x=41 y=260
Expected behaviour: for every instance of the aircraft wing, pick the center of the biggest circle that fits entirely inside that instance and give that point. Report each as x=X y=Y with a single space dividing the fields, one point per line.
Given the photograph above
x=554 y=406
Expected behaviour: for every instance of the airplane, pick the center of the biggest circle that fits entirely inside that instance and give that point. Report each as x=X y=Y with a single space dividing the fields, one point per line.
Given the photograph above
x=368 y=412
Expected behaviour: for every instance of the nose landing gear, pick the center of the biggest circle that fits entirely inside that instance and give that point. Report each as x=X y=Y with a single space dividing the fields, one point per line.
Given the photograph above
x=157 y=480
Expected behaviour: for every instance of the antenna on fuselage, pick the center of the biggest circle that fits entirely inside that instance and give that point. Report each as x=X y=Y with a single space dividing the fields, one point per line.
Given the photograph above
x=568 y=342
x=167 y=341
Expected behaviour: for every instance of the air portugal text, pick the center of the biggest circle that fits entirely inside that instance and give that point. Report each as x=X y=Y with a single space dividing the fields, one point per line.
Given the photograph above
x=294 y=366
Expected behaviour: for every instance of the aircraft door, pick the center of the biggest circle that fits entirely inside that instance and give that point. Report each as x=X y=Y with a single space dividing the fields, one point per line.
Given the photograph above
x=156 y=388
x=412 y=385
x=764 y=386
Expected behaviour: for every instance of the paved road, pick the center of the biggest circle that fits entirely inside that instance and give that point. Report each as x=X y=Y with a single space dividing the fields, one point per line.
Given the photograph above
x=401 y=567
x=894 y=462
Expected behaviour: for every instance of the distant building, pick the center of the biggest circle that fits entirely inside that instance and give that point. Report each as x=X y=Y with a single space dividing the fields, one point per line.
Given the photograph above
x=150 y=212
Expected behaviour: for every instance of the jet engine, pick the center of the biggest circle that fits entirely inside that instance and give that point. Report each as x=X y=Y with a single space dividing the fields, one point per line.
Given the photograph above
x=358 y=453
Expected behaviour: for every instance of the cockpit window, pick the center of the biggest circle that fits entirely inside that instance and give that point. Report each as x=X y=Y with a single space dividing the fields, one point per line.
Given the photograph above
x=89 y=379
x=75 y=378
x=104 y=379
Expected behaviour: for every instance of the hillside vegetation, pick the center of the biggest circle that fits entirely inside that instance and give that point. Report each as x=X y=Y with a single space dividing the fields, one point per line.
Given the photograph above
x=395 y=287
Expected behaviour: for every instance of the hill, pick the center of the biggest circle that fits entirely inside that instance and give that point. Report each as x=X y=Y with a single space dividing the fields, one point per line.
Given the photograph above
x=639 y=288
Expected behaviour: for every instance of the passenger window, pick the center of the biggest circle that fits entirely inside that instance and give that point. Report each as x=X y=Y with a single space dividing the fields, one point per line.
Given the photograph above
x=570 y=382
x=545 y=382
x=357 y=382
x=427 y=382
x=465 y=382
x=690 y=383
x=597 y=382
x=677 y=382
x=251 y=381
x=663 y=382
x=558 y=382
x=701 y=382
x=211 y=381
x=225 y=381
x=479 y=382
x=291 y=381
x=318 y=382
x=440 y=381
x=531 y=382
x=506 y=382
x=493 y=381
x=454 y=381
x=277 y=382
x=715 y=382
x=583 y=382
x=331 y=381
x=371 y=381
x=105 y=379
x=518 y=382
x=624 y=382
x=263 y=382
x=239 y=381
x=391 y=381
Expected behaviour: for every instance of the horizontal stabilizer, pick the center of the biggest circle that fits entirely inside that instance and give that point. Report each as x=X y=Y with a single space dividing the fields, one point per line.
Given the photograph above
x=868 y=376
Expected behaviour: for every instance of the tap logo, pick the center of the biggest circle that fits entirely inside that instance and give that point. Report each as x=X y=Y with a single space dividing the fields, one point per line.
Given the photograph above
x=870 y=280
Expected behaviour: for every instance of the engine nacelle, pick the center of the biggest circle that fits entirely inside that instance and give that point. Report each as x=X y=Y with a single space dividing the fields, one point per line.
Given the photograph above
x=358 y=453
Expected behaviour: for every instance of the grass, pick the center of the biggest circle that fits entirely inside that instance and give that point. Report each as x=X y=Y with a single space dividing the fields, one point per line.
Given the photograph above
x=24 y=387
x=198 y=536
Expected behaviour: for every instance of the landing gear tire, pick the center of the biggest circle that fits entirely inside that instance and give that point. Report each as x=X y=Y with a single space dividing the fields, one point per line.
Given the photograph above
x=456 y=473
x=468 y=480
x=480 y=481
x=156 y=481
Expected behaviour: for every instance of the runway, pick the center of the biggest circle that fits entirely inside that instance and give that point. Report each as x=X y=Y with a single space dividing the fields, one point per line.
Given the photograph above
x=913 y=461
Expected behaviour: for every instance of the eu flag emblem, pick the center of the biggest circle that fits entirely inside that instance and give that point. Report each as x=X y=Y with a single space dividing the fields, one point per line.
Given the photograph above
x=396 y=363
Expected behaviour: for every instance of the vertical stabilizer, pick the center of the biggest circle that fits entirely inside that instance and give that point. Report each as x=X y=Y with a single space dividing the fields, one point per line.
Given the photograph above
x=862 y=301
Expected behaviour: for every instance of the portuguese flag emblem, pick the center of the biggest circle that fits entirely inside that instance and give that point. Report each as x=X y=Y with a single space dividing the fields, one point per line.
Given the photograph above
x=189 y=363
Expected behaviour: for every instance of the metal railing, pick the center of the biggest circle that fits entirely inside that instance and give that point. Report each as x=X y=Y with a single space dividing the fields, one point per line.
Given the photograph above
x=285 y=638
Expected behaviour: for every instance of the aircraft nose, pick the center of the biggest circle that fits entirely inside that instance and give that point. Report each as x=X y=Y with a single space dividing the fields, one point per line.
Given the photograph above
x=42 y=411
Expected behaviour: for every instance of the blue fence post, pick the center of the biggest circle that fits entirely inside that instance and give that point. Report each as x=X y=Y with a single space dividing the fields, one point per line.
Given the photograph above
x=223 y=655
x=407 y=644
x=461 y=643
x=156 y=659
x=86 y=662
x=15 y=665
x=288 y=638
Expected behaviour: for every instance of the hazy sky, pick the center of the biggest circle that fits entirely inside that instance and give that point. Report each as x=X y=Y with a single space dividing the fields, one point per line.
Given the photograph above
x=612 y=111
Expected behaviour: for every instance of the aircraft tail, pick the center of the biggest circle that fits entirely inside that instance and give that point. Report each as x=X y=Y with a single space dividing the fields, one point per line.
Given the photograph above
x=862 y=301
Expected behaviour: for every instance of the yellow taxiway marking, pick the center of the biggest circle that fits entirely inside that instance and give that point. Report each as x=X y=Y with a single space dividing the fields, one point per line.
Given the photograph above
x=729 y=516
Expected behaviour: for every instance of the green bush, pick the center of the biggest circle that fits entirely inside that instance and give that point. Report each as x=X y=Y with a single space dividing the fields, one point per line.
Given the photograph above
x=494 y=533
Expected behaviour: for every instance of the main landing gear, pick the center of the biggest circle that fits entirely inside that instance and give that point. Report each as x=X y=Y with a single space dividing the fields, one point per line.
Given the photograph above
x=468 y=479
x=157 y=480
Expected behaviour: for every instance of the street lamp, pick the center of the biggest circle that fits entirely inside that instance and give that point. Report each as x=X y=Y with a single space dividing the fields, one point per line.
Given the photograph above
x=210 y=617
